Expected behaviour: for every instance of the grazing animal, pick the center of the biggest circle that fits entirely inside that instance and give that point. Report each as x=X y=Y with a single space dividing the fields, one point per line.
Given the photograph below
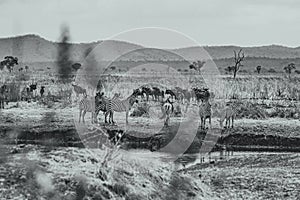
x=117 y=105
x=167 y=109
x=171 y=93
x=138 y=92
x=93 y=105
x=201 y=94
x=3 y=91
x=42 y=91
x=227 y=115
x=32 y=88
x=26 y=94
x=205 y=113
x=101 y=105
x=148 y=92
x=156 y=93
x=86 y=105
x=79 y=90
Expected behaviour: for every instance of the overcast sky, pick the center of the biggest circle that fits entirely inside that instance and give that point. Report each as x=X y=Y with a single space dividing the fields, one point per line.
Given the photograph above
x=209 y=22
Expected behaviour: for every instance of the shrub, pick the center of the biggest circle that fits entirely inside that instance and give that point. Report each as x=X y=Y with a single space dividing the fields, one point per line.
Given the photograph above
x=271 y=70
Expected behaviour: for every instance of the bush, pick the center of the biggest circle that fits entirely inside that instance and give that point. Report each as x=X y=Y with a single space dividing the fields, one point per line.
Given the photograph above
x=271 y=70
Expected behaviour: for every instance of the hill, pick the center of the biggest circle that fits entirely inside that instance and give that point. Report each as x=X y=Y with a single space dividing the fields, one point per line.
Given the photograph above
x=35 y=49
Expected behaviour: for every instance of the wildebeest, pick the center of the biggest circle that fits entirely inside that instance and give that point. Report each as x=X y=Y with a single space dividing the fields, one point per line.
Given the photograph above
x=171 y=93
x=42 y=91
x=147 y=91
x=33 y=88
x=157 y=93
x=138 y=92
x=79 y=90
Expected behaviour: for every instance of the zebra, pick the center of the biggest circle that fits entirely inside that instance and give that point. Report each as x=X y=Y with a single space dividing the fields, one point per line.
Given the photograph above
x=117 y=105
x=205 y=112
x=86 y=105
x=227 y=115
x=167 y=109
x=94 y=106
x=102 y=103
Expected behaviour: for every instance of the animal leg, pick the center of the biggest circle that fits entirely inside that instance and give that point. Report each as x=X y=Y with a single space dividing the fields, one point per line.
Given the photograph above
x=92 y=116
x=79 y=115
x=106 y=113
x=232 y=119
x=112 y=117
x=209 y=122
x=126 y=117
x=83 y=114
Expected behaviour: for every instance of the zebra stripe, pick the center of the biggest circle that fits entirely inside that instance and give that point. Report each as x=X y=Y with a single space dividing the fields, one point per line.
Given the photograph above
x=205 y=112
x=117 y=105
x=167 y=109
x=86 y=105
x=93 y=106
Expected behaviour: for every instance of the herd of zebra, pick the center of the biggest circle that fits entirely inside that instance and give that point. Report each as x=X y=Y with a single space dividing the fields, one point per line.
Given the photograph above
x=109 y=106
x=106 y=105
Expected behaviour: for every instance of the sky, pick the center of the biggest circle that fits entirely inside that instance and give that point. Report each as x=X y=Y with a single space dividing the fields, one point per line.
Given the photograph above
x=208 y=22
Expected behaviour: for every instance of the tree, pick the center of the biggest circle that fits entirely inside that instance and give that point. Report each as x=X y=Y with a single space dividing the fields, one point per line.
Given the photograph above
x=197 y=65
x=26 y=68
x=9 y=62
x=238 y=59
x=258 y=69
x=289 y=68
x=229 y=69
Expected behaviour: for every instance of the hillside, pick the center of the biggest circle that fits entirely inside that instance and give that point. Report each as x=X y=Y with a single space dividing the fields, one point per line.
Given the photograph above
x=32 y=49
x=219 y=52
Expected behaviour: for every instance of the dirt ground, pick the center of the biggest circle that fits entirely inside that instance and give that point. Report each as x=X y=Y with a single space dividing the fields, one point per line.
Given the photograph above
x=55 y=172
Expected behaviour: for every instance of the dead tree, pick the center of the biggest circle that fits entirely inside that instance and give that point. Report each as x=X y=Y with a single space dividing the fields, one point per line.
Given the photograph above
x=238 y=59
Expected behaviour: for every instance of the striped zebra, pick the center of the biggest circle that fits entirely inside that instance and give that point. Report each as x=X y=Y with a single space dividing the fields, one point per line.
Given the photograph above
x=167 y=109
x=86 y=105
x=117 y=105
x=92 y=105
x=102 y=103
x=205 y=113
x=228 y=114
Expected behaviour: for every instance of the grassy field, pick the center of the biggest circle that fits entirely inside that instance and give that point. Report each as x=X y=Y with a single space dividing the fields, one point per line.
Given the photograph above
x=38 y=157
